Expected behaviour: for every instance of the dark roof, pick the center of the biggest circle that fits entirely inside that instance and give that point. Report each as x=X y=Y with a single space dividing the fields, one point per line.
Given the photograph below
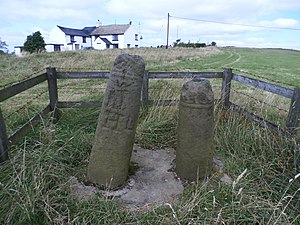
x=53 y=44
x=106 y=41
x=88 y=30
x=73 y=32
x=111 y=29
x=102 y=30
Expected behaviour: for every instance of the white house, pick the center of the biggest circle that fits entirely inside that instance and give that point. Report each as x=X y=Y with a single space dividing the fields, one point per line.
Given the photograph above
x=66 y=39
x=115 y=36
x=18 y=50
x=97 y=37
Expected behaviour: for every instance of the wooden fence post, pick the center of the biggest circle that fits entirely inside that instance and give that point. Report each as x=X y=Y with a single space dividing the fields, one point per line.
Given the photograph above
x=3 y=140
x=293 y=118
x=53 y=95
x=145 y=89
x=226 y=84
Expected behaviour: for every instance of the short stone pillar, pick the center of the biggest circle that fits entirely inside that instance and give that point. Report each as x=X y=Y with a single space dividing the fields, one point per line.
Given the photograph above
x=111 y=152
x=195 y=145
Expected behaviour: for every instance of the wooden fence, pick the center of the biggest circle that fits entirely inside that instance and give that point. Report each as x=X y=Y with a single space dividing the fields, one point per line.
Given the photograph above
x=51 y=76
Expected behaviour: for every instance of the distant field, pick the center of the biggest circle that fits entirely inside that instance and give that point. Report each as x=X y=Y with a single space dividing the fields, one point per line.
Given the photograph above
x=280 y=65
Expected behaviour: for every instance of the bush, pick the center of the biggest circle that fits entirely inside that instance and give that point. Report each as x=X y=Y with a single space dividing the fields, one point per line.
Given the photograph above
x=34 y=43
x=191 y=45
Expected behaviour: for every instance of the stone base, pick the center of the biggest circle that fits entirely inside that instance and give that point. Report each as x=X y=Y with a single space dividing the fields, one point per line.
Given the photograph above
x=153 y=184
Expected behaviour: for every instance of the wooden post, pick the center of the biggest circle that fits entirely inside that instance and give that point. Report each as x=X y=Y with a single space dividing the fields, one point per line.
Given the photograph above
x=226 y=84
x=293 y=119
x=145 y=89
x=3 y=140
x=53 y=95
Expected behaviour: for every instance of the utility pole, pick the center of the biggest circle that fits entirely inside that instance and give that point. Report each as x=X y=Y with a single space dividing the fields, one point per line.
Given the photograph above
x=168 y=28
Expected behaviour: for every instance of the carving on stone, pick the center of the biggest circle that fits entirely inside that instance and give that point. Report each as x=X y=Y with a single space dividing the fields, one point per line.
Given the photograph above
x=111 y=152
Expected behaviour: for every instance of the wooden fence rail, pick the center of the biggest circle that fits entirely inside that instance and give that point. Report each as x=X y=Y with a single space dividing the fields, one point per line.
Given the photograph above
x=292 y=121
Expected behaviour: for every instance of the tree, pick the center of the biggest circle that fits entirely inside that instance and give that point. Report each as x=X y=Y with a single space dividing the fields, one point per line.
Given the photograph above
x=3 y=46
x=213 y=43
x=34 y=43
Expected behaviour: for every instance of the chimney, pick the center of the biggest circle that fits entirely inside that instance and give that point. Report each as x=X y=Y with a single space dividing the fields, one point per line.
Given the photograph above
x=98 y=24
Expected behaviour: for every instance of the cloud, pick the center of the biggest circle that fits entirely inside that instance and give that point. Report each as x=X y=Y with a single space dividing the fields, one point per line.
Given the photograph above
x=286 y=22
x=280 y=23
x=153 y=17
x=48 y=10
x=193 y=8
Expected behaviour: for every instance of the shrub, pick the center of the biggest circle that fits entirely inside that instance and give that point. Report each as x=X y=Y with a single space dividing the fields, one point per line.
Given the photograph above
x=34 y=43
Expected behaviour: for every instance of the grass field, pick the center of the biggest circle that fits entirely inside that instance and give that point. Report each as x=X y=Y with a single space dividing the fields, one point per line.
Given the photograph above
x=34 y=184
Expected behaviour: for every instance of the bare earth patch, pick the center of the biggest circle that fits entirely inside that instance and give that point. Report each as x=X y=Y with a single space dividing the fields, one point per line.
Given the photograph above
x=153 y=184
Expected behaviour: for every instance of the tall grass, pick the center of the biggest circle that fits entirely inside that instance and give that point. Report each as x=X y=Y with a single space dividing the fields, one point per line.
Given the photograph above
x=35 y=186
x=35 y=183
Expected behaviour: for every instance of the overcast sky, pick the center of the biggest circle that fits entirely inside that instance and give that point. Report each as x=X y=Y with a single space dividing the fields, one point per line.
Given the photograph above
x=20 y=18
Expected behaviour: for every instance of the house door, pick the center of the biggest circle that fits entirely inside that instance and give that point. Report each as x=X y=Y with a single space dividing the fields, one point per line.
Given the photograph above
x=76 y=46
x=57 y=48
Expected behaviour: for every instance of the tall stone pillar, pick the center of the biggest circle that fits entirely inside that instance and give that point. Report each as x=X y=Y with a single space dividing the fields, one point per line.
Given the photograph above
x=195 y=147
x=111 y=152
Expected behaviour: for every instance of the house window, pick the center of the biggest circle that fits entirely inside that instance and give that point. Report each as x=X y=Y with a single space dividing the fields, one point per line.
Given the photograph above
x=72 y=38
x=128 y=45
x=136 y=46
x=136 y=37
x=83 y=39
x=115 y=46
x=115 y=37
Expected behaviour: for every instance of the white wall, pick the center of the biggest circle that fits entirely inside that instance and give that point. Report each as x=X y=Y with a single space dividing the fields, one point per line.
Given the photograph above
x=57 y=36
x=18 y=51
x=100 y=45
x=49 y=48
x=129 y=37
x=123 y=40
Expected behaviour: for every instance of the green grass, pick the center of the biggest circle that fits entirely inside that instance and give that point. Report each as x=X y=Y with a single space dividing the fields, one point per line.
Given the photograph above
x=35 y=188
x=34 y=184
x=271 y=64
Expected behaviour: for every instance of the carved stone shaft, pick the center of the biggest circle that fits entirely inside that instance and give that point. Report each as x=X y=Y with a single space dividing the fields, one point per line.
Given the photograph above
x=111 y=152
x=195 y=147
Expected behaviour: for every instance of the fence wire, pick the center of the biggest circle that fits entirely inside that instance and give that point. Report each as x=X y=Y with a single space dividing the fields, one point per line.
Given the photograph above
x=70 y=87
x=260 y=101
x=85 y=69
x=264 y=78
x=27 y=104
x=23 y=79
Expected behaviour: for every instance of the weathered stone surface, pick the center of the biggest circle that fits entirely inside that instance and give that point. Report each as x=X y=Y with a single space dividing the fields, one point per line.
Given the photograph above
x=111 y=152
x=195 y=147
